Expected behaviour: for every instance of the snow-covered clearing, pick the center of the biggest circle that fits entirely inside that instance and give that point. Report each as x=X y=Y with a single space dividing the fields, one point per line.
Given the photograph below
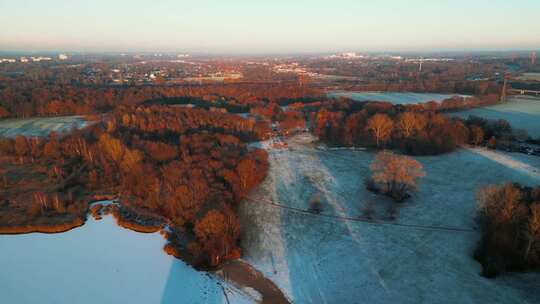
x=508 y=161
x=264 y=243
x=40 y=126
x=393 y=97
x=325 y=260
x=522 y=112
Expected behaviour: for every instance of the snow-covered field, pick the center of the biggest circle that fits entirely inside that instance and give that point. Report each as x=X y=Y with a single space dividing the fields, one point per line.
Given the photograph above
x=521 y=111
x=393 y=97
x=40 y=126
x=316 y=259
x=101 y=262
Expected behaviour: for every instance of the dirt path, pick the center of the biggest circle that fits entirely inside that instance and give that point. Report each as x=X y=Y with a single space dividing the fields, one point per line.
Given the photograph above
x=244 y=275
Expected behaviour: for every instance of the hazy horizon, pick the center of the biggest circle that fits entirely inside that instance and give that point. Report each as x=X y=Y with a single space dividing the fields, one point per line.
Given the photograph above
x=276 y=27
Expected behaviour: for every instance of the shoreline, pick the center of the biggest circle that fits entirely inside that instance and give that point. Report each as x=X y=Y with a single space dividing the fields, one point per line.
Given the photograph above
x=234 y=271
x=45 y=229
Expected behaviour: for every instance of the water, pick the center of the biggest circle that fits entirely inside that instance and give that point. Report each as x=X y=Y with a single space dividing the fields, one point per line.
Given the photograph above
x=99 y=262
x=393 y=97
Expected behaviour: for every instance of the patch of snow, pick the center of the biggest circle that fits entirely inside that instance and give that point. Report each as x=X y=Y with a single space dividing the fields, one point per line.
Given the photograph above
x=507 y=161
x=253 y=293
x=394 y=97
x=40 y=126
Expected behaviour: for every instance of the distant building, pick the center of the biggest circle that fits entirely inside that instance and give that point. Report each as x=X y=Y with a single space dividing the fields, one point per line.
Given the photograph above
x=24 y=59
x=349 y=55
x=346 y=55
x=8 y=60
x=63 y=57
x=40 y=58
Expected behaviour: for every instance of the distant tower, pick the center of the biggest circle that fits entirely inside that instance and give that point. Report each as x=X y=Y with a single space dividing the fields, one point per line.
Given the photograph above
x=533 y=58
x=503 y=93
x=420 y=65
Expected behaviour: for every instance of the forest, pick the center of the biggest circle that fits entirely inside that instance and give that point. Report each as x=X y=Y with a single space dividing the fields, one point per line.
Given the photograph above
x=188 y=166
x=412 y=129
x=32 y=99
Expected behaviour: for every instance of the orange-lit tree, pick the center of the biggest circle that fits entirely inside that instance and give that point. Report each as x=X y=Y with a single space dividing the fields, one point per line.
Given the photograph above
x=395 y=175
x=380 y=126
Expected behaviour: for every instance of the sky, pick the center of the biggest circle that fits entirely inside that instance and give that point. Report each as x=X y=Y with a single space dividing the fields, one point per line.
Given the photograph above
x=269 y=26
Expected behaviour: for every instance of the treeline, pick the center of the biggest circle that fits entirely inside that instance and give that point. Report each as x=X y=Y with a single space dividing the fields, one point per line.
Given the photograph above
x=29 y=99
x=185 y=120
x=384 y=125
x=433 y=85
x=188 y=165
x=509 y=217
x=454 y=103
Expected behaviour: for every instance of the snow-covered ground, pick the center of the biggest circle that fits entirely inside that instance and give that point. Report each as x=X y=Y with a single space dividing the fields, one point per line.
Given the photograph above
x=317 y=259
x=101 y=262
x=40 y=126
x=393 y=97
x=521 y=111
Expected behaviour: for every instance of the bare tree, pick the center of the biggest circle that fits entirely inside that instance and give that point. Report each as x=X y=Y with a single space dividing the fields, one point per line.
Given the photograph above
x=380 y=126
x=499 y=204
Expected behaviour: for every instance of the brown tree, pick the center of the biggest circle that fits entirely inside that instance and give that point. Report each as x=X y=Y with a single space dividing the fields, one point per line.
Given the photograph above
x=476 y=135
x=21 y=147
x=532 y=232
x=380 y=126
x=408 y=123
x=217 y=232
x=395 y=175
x=500 y=205
x=3 y=112
x=51 y=149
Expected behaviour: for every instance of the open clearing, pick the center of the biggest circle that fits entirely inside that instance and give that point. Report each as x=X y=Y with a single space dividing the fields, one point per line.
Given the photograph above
x=315 y=259
x=40 y=126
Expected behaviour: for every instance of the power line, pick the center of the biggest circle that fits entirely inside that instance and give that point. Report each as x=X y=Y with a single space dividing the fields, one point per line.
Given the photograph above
x=364 y=220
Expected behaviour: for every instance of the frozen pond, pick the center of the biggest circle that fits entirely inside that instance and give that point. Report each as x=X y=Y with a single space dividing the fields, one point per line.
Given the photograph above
x=101 y=262
x=318 y=259
x=40 y=126
x=393 y=97
x=521 y=111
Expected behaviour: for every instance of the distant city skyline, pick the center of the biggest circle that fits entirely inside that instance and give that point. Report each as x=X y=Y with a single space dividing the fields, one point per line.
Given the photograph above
x=279 y=26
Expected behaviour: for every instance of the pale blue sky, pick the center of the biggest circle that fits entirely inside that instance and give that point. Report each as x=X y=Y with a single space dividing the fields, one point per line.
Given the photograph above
x=268 y=26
